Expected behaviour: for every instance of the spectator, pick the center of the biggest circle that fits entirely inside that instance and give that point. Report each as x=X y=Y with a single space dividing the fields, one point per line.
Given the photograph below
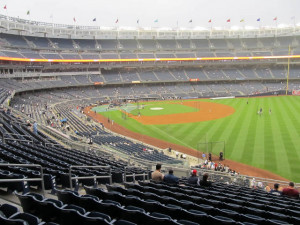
x=157 y=175
x=193 y=179
x=209 y=156
x=170 y=178
x=275 y=191
x=204 y=181
x=35 y=129
x=28 y=124
x=290 y=191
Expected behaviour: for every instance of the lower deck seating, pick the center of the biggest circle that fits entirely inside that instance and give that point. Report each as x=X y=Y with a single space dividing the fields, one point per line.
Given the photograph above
x=152 y=203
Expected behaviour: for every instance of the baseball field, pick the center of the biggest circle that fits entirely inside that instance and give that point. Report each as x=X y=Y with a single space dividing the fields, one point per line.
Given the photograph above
x=261 y=132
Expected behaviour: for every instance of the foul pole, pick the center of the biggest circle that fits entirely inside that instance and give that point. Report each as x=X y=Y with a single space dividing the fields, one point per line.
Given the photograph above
x=288 y=73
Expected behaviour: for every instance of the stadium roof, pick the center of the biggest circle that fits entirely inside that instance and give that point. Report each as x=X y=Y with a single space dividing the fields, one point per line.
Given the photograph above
x=156 y=13
x=35 y=28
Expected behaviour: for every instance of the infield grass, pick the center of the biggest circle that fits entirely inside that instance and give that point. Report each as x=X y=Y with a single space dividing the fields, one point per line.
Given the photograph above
x=269 y=141
x=155 y=109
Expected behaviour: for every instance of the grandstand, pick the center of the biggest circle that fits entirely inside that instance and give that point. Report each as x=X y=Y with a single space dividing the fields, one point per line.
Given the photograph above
x=52 y=78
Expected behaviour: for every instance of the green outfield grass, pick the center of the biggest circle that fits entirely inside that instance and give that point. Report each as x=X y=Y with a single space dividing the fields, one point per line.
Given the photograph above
x=270 y=141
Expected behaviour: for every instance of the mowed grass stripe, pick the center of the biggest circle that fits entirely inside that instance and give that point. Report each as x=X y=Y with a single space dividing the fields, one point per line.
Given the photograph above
x=236 y=141
x=258 y=156
x=293 y=114
x=292 y=139
x=240 y=145
x=200 y=134
x=292 y=128
x=183 y=133
x=269 y=147
x=280 y=150
x=282 y=139
x=295 y=101
x=222 y=132
x=250 y=136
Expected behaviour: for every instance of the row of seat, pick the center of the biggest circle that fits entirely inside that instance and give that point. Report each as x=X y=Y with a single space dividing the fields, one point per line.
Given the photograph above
x=103 y=212
x=232 y=191
x=205 y=204
x=10 y=215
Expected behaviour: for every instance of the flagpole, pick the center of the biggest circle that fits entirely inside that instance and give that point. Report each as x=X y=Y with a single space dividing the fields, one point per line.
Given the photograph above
x=294 y=23
x=6 y=12
x=52 y=24
x=74 y=19
x=276 y=26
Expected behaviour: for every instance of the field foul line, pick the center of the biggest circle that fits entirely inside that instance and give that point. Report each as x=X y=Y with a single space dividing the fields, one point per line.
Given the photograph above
x=184 y=144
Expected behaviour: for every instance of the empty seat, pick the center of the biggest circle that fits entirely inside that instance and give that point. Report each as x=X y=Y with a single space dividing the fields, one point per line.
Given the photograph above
x=71 y=214
x=8 y=210
x=187 y=222
x=28 y=218
x=221 y=220
x=252 y=219
x=124 y=222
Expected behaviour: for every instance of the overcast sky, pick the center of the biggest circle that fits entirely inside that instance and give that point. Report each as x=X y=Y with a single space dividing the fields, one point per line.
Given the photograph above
x=168 y=13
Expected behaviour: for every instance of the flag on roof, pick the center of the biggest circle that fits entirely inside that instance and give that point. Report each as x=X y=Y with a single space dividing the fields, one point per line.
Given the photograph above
x=228 y=21
x=28 y=12
x=5 y=7
x=155 y=21
x=190 y=21
x=74 y=19
x=258 y=20
x=117 y=21
x=275 y=18
x=209 y=21
x=94 y=19
x=242 y=20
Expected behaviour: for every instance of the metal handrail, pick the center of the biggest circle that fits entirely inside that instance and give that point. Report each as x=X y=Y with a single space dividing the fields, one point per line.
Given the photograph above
x=134 y=175
x=25 y=179
x=88 y=177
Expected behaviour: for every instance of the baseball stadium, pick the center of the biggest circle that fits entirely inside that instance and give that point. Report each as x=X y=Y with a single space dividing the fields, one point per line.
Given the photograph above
x=148 y=126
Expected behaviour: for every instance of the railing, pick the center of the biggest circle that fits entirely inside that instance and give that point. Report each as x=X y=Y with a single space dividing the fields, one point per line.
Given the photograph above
x=16 y=139
x=238 y=178
x=88 y=177
x=134 y=175
x=25 y=179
